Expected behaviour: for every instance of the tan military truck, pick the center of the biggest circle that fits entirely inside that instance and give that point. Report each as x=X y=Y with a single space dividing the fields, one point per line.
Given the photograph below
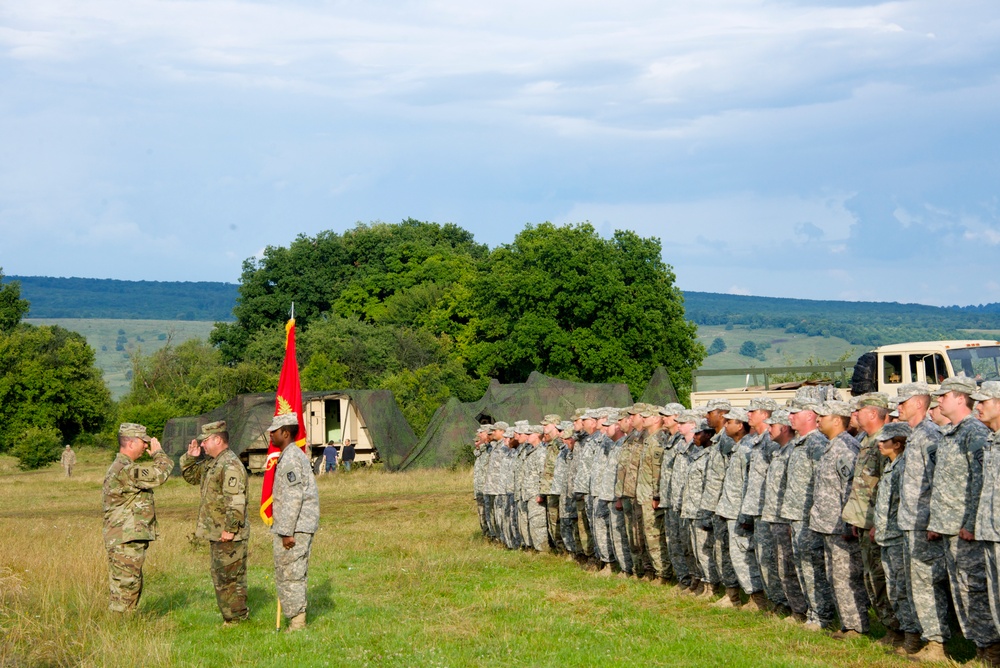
x=883 y=370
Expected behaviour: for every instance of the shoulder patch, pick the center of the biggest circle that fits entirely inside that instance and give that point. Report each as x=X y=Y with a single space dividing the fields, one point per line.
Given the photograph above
x=291 y=477
x=232 y=483
x=845 y=471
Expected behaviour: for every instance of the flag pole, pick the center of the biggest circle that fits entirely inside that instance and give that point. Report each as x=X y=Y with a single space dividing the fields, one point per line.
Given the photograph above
x=277 y=618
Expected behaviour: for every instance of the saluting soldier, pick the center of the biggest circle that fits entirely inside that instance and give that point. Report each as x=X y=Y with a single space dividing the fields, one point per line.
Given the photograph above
x=129 y=512
x=296 y=519
x=222 y=516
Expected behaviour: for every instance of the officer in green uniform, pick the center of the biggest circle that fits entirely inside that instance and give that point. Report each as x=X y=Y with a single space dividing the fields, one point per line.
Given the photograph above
x=222 y=516
x=129 y=513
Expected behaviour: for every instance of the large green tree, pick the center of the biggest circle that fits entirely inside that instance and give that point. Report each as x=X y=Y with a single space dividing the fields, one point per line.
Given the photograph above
x=12 y=307
x=564 y=301
x=48 y=380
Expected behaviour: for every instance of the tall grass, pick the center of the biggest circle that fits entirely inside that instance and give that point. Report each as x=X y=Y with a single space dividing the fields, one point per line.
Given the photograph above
x=398 y=577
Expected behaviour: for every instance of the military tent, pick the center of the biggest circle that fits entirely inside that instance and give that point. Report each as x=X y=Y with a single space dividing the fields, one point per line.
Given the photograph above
x=659 y=391
x=454 y=424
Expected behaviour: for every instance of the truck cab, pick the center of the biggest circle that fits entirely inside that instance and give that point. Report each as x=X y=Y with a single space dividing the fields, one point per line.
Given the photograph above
x=886 y=368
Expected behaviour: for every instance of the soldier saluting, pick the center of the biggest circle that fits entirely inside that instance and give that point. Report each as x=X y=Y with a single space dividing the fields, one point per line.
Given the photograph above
x=222 y=516
x=129 y=513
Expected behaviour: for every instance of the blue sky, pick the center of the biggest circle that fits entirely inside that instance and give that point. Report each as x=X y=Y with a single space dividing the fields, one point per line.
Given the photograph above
x=830 y=150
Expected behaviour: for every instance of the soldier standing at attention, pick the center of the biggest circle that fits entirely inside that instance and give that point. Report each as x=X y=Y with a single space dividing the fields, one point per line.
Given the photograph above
x=222 y=516
x=129 y=513
x=68 y=460
x=988 y=518
x=296 y=519
x=958 y=482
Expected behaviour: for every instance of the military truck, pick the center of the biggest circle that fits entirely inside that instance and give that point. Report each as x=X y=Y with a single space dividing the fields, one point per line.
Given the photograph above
x=881 y=370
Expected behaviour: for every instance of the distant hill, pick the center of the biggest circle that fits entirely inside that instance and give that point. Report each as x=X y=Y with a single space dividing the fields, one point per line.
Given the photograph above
x=128 y=300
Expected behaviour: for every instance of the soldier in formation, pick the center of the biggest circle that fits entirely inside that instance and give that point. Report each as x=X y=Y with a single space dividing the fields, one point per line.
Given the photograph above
x=818 y=511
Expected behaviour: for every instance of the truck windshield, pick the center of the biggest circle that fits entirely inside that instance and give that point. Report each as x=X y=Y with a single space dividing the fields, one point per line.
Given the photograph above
x=982 y=363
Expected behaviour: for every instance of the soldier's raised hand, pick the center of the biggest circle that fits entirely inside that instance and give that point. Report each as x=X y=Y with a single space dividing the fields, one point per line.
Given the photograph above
x=154 y=445
x=194 y=448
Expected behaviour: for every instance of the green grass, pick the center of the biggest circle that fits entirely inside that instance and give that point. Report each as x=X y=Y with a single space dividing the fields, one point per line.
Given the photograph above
x=399 y=577
x=142 y=336
x=786 y=350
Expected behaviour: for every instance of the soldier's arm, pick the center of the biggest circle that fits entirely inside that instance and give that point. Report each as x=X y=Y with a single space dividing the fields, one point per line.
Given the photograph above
x=975 y=487
x=292 y=491
x=148 y=475
x=234 y=497
x=192 y=469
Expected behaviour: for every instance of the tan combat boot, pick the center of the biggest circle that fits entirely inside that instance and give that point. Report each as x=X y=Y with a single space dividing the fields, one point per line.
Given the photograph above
x=730 y=600
x=911 y=644
x=892 y=638
x=707 y=592
x=757 y=603
x=605 y=571
x=932 y=651
x=297 y=623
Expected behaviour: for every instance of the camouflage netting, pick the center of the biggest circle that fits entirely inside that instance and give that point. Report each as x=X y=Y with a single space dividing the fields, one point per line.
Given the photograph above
x=660 y=391
x=249 y=415
x=455 y=423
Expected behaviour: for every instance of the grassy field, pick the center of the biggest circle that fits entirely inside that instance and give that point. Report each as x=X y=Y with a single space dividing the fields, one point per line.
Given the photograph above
x=140 y=335
x=399 y=577
x=785 y=350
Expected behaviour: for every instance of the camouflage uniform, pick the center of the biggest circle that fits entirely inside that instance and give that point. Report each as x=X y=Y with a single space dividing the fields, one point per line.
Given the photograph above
x=808 y=547
x=520 y=496
x=491 y=487
x=478 y=474
x=628 y=467
x=859 y=512
x=761 y=453
x=545 y=488
x=512 y=534
x=781 y=530
x=223 y=507
x=537 y=521
x=130 y=523
x=715 y=473
x=926 y=574
x=673 y=476
x=584 y=452
x=616 y=518
x=647 y=488
x=600 y=513
x=569 y=526
x=742 y=549
x=891 y=538
x=988 y=520
x=702 y=539
x=68 y=461
x=958 y=482
x=296 y=514
x=833 y=476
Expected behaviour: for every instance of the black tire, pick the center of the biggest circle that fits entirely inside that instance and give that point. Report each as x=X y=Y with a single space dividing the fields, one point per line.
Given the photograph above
x=865 y=376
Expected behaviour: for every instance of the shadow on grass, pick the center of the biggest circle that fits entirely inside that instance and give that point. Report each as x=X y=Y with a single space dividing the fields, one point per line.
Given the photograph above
x=321 y=600
x=164 y=604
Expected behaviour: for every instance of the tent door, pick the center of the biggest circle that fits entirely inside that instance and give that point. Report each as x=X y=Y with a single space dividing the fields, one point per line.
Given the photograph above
x=333 y=423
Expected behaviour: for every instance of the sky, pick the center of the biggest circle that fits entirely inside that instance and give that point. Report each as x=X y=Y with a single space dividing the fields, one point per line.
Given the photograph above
x=820 y=150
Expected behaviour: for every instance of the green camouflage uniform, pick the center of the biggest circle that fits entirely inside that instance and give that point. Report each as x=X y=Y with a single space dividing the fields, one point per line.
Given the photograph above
x=223 y=483
x=130 y=523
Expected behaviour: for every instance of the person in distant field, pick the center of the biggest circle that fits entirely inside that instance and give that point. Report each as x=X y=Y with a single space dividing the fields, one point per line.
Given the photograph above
x=129 y=513
x=330 y=455
x=68 y=460
x=222 y=516
x=348 y=455
x=296 y=519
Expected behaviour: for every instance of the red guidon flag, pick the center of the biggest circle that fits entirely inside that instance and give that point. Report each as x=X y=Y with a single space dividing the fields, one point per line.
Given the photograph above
x=288 y=400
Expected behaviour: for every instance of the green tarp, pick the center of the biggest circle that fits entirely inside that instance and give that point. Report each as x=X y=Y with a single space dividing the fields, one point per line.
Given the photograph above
x=659 y=391
x=454 y=424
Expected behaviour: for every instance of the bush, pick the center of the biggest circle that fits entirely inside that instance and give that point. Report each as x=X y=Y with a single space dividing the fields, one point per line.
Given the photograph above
x=37 y=447
x=748 y=349
x=718 y=346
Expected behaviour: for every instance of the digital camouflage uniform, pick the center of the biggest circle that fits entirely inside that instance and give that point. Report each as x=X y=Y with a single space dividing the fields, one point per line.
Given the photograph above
x=492 y=490
x=673 y=476
x=616 y=517
x=628 y=475
x=761 y=453
x=808 y=547
x=545 y=488
x=583 y=455
x=958 y=482
x=926 y=573
x=568 y=530
x=988 y=520
x=130 y=523
x=223 y=507
x=295 y=513
x=520 y=496
x=859 y=511
x=781 y=529
x=833 y=475
x=537 y=521
x=478 y=475
x=891 y=540
x=68 y=460
x=715 y=473
x=600 y=513
x=699 y=521
x=742 y=550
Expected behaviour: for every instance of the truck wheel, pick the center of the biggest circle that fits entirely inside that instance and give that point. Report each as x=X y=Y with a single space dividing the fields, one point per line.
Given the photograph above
x=865 y=376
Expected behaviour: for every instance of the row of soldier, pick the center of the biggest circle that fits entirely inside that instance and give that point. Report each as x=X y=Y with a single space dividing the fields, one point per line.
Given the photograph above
x=815 y=511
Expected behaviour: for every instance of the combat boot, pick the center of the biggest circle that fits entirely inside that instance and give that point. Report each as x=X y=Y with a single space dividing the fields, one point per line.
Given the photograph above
x=731 y=599
x=297 y=623
x=605 y=571
x=991 y=654
x=932 y=651
x=707 y=593
x=757 y=603
x=892 y=638
x=696 y=588
x=911 y=644
x=795 y=619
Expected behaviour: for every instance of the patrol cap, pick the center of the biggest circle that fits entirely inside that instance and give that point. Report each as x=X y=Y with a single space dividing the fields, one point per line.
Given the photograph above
x=578 y=413
x=876 y=399
x=672 y=409
x=736 y=413
x=798 y=405
x=551 y=418
x=283 y=420
x=566 y=424
x=718 y=405
x=636 y=408
x=910 y=390
x=762 y=404
x=502 y=426
x=702 y=425
x=133 y=430
x=613 y=416
x=960 y=383
x=483 y=428
x=534 y=429
x=207 y=430
x=990 y=389
x=688 y=416
x=522 y=427
x=892 y=430
x=649 y=410
x=841 y=408
x=508 y=432
x=934 y=404
x=779 y=416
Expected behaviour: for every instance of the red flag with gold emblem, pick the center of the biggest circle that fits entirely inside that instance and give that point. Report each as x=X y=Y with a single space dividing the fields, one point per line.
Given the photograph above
x=288 y=400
